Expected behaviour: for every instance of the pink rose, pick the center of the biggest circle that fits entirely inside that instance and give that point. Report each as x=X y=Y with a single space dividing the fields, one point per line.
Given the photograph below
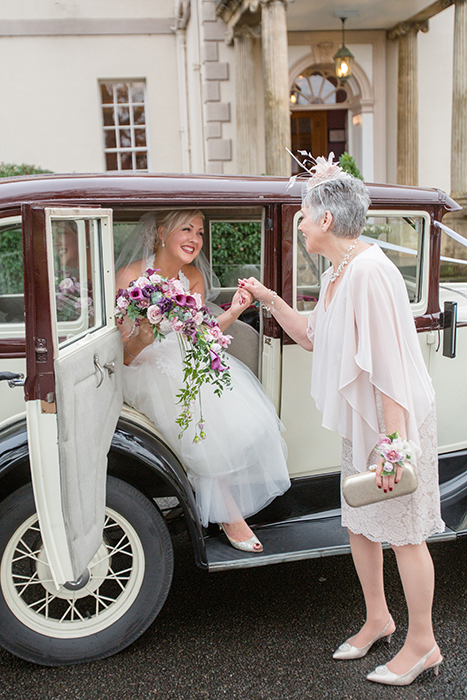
x=122 y=303
x=383 y=440
x=177 y=325
x=66 y=285
x=154 y=314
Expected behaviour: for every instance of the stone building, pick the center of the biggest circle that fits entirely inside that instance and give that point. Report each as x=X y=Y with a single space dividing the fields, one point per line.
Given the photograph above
x=223 y=86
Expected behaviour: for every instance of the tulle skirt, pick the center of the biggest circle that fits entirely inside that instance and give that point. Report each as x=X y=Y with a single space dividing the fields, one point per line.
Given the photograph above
x=241 y=465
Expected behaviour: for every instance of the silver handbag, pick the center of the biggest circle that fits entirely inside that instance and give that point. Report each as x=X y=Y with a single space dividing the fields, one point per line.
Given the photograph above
x=361 y=490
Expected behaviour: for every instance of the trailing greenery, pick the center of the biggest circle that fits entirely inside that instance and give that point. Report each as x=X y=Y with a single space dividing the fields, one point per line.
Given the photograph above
x=12 y=170
x=347 y=163
x=235 y=245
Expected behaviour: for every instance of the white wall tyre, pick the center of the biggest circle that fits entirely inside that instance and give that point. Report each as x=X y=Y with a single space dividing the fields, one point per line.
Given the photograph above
x=122 y=592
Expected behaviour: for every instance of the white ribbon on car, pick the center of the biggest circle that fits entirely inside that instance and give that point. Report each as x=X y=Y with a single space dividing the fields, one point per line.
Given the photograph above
x=410 y=251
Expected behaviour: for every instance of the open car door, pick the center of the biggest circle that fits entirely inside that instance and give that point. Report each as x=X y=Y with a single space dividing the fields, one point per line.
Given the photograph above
x=73 y=388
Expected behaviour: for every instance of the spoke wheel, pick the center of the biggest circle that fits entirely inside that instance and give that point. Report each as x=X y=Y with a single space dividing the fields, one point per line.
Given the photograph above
x=117 y=597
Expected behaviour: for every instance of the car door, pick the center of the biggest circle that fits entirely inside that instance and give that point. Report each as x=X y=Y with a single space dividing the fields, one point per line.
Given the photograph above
x=73 y=388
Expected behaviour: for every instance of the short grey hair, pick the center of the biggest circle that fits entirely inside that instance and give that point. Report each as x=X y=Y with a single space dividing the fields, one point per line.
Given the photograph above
x=346 y=198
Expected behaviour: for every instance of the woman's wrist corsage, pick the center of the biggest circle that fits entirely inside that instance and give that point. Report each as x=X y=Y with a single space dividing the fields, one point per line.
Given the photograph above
x=394 y=450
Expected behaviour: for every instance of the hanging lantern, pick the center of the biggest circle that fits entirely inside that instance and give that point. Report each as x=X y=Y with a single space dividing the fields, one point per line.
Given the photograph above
x=343 y=58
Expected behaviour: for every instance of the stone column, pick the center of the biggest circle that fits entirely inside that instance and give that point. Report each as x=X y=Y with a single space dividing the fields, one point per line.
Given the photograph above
x=407 y=101
x=458 y=220
x=459 y=107
x=246 y=99
x=276 y=86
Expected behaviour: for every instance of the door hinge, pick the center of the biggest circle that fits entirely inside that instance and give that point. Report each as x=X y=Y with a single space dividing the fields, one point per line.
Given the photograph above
x=41 y=350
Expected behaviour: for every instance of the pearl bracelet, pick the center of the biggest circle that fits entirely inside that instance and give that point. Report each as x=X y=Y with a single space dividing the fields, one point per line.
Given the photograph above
x=270 y=308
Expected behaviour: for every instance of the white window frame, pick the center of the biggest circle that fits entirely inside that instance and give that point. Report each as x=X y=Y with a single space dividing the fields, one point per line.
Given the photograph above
x=133 y=149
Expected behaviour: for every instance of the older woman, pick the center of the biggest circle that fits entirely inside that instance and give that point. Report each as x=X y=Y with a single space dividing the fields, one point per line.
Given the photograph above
x=369 y=378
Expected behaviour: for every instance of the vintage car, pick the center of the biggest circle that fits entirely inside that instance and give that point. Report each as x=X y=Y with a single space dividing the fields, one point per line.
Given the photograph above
x=72 y=591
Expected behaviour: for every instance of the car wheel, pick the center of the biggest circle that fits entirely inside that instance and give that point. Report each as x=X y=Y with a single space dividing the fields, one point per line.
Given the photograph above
x=120 y=594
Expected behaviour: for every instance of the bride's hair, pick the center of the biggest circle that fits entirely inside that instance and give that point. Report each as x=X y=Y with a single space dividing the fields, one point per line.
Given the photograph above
x=170 y=220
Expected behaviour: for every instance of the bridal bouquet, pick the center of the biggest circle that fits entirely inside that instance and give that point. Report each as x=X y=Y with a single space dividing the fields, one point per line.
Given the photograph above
x=69 y=300
x=202 y=342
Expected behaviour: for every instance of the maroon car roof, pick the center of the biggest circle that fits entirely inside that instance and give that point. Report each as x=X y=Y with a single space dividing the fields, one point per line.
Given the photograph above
x=143 y=188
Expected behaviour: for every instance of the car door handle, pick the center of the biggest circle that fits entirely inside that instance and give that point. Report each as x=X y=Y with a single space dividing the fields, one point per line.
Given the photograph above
x=109 y=366
x=13 y=379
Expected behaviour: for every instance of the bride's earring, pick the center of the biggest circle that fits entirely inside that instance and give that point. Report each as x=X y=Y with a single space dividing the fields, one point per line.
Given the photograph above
x=163 y=244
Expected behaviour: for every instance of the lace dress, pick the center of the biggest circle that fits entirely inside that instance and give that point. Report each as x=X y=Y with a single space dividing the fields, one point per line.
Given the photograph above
x=241 y=465
x=366 y=344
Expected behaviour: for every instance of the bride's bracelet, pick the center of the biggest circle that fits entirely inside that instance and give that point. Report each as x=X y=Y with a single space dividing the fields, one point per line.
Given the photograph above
x=128 y=352
x=270 y=308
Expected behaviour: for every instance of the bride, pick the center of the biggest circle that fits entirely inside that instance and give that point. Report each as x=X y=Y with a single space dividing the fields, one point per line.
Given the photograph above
x=240 y=467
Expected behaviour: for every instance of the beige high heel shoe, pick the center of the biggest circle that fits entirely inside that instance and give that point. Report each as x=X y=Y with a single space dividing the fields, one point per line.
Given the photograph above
x=382 y=674
x=245 y=545
x=347 y=651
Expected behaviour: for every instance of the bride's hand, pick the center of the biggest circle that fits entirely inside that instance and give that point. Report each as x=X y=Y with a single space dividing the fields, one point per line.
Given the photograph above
x=256 y=289
x=145 y=333
x=241 y=300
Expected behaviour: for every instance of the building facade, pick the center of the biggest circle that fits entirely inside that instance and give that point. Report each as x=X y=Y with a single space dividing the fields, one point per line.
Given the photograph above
x=224 y=86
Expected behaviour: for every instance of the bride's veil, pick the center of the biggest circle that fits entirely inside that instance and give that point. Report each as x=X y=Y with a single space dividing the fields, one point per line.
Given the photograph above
x=140 y=245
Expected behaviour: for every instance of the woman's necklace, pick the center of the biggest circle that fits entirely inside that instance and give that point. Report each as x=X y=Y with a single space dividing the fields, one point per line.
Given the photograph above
x=344 y=262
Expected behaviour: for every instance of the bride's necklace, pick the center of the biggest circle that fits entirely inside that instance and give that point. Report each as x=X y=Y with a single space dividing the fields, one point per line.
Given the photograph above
x=344 y=262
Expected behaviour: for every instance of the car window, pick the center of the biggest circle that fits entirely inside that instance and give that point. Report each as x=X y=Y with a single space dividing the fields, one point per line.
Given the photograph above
x=401 y=235
x=77 y=273
x=11 y=278
x=235 y=250
x=232 y=244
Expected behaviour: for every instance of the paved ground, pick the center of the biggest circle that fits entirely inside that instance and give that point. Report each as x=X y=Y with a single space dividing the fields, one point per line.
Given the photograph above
x=261 y=634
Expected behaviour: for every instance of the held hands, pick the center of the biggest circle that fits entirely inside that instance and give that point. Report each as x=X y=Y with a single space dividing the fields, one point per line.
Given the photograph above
x=241 y=300
x=255 y=288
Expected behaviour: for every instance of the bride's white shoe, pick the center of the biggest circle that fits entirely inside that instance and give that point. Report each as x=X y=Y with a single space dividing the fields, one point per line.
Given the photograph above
x=347 y=651
x=382 y=674
x=252 y=544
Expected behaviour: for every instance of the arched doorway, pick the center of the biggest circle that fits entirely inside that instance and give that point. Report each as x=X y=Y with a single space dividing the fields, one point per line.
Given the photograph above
x=328 y=115
x=319 y=106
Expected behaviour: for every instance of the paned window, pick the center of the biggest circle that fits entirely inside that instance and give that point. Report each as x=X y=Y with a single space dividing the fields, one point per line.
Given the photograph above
x=124 y=124
x=401 y=235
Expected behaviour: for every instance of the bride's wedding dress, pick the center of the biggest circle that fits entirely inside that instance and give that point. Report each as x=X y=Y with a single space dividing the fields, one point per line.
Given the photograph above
x=240 y=467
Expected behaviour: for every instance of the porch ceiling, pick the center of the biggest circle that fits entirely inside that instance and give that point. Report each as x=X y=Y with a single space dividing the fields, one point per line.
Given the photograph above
x=317 y=15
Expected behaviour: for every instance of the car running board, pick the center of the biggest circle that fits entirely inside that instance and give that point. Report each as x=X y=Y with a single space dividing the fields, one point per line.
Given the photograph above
x=290 y=541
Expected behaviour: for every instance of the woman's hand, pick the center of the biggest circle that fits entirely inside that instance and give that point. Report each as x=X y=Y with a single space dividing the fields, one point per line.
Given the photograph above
x=256 y=289
x=241 y=300
x=387 y=482
x=145 y=333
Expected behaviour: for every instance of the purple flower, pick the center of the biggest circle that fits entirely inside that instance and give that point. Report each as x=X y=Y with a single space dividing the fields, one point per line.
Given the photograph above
x=165 y=305
x=136 y=294
x=216 y=363
x=147 y=291
x=180 y=299
x=190 y=301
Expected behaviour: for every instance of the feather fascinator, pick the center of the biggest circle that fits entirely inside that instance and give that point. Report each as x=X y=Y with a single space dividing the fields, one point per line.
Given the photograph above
x=318 y=170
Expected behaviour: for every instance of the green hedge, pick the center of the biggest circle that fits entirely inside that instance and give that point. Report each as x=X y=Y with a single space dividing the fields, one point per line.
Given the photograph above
x=12 y=170
x=234 y=246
